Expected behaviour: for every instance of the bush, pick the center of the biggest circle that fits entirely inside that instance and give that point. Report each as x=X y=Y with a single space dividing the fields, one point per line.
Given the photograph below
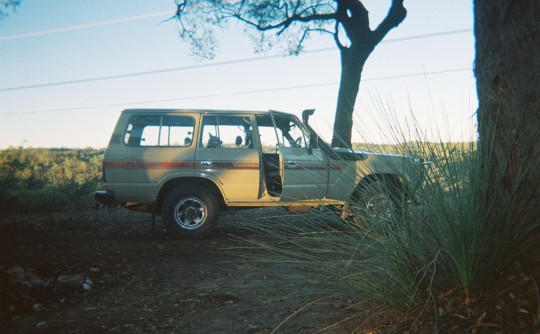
x=44 y=180
x=453 y=263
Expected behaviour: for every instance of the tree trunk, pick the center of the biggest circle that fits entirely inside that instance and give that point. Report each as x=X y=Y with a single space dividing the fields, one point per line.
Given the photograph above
x=352 y=64
x=507 y=69
x=354 y=18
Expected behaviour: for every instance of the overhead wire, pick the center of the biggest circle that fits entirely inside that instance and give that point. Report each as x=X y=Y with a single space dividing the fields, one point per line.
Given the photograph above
x=222 y=63
x=190 y=67
x=85 y=26
x=230 y=94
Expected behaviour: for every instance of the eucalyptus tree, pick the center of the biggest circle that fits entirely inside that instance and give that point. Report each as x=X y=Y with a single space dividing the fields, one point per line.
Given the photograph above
x=289 y=24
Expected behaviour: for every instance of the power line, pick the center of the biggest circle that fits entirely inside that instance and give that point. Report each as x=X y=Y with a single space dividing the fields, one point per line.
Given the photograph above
x=232 y=93
x=145 y=16
x=222 y=63
x=435 y=34
x=85 y=26
x=135 y=74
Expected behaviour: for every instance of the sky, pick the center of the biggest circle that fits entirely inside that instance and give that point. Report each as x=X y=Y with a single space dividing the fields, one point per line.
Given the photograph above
x=69 y=67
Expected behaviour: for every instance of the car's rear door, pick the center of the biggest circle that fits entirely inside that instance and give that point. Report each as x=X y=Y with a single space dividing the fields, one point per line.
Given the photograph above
x=226 y=155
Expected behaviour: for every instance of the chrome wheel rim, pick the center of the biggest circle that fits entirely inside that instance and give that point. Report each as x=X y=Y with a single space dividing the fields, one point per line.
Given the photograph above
x=380 y=207
x=190 y=213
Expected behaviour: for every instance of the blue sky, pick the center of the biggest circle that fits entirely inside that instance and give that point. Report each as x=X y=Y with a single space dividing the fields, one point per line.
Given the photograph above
x=428 y=78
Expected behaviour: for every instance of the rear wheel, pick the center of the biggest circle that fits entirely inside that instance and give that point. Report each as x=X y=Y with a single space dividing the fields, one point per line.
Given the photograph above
x=190 y=211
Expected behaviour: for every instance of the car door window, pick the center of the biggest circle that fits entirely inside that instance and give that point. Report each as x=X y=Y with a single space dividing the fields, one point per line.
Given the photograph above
x=293 y=134
x=287 y=133
x=226 y=132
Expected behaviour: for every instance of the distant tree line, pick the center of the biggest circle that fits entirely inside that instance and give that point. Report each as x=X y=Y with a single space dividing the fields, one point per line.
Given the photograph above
x=44 y=180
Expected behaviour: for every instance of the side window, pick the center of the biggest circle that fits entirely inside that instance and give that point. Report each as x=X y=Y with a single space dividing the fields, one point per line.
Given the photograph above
x=226 y=132
x=163 y=131
x=293 y=135
x=269 y=141
x=287 y=133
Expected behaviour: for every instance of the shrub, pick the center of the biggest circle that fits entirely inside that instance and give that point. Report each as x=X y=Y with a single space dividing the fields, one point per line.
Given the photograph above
x=453 y=263
x=43 y=180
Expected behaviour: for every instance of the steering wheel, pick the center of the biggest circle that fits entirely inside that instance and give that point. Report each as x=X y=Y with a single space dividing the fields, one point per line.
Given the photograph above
x=298 y=142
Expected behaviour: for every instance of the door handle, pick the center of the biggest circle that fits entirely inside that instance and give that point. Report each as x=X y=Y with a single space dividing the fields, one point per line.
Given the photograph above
x=206 y=163
x=291 y=163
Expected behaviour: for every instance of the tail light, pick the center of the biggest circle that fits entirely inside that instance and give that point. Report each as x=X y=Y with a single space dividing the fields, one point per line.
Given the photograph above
x=103 y=171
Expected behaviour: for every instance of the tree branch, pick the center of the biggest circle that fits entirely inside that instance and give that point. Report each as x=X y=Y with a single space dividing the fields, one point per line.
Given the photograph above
x=396 y=15
x=340 y=46
x=355 y=19
x=305 y=35
x=283 y=25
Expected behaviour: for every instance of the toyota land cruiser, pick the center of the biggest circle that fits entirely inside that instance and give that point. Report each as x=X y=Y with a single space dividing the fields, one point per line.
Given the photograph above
x=190 y=165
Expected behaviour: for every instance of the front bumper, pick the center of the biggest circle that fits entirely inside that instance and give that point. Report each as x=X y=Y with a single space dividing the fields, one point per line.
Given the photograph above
x=105 y=197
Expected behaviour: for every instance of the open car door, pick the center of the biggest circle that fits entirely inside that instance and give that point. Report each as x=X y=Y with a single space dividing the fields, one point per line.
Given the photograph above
x=303 y=166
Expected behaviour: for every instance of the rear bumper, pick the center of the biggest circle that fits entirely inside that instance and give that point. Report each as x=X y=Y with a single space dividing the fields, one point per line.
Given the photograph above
x=104 y=197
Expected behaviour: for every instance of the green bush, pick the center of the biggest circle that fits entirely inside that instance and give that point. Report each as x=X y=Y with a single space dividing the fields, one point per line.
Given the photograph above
x=43 y=180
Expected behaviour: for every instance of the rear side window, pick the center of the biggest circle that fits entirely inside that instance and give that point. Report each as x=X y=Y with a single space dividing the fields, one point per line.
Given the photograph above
x=162 y=131
x=226 y=132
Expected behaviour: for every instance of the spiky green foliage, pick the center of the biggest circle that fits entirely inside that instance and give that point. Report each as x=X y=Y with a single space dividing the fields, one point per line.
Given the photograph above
x=453 y=241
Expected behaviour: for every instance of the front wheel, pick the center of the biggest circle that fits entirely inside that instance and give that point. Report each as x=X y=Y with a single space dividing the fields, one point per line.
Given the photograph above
x=190 y=211
x=378 y=200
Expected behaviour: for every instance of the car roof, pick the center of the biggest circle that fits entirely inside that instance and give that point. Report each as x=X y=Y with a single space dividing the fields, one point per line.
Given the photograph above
x=203 y=111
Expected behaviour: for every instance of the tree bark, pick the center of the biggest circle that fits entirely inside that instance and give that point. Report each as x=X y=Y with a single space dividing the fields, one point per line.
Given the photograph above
x=352 y=64
x=507 y=69
x=354 y=18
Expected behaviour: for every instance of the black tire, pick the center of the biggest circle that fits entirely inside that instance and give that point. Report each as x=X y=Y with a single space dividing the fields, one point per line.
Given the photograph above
x=190 y=211
x=378 y=200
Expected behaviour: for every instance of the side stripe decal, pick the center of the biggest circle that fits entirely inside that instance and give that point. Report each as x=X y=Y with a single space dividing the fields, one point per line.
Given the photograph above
x=178 y=165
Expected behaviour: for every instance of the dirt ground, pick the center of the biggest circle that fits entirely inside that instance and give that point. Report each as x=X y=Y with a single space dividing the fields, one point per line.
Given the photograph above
x=98 y=272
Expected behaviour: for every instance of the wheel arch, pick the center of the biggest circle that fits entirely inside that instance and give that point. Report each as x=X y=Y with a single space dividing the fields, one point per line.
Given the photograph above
x=188 y=181
x=390 y=179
